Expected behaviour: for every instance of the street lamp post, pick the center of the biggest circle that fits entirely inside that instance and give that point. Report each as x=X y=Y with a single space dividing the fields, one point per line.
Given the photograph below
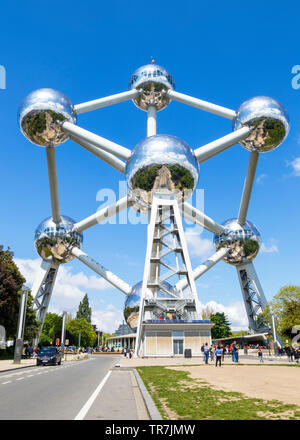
x=79 y=338
x=62 y=345
x=21 y=326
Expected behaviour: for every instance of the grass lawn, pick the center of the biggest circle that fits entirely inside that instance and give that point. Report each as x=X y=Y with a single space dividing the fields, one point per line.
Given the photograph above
x=179 y=397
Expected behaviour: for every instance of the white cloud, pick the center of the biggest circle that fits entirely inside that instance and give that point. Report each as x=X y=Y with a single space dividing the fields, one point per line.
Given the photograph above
x=271 y=248
x=235 y=312
x=108 y=318
x=295 y=164
x=69 y=287
x=198 y=246
x=260 y=179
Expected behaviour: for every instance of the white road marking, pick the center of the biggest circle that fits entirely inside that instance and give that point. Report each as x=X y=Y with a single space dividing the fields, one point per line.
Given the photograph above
x=4 y=383
x=82 y=413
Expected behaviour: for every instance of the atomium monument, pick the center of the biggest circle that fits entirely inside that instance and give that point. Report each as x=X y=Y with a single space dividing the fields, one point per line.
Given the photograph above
x=162 y=172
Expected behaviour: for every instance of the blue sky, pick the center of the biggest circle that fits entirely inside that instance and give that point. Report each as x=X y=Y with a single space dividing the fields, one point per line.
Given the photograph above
x=220 y=52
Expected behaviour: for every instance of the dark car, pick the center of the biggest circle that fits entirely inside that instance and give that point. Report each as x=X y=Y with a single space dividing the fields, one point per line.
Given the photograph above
x=49 y=356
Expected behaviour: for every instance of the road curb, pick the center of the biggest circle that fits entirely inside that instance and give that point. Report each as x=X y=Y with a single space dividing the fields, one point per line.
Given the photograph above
x=17 y=368
x=150 y=405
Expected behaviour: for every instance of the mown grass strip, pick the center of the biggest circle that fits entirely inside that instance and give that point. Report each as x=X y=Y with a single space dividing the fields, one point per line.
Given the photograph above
x=180 y=397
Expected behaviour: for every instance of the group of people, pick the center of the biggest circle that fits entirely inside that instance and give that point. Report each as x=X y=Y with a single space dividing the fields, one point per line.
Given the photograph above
x=30 y=352
x=218 y=352
x=127 y=352
x=214 y=352
x=292 y=353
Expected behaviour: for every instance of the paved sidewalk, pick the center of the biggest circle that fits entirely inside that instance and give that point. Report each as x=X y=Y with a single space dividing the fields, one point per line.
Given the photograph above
x=8 y=364
x=160 y=361
x=120 y=399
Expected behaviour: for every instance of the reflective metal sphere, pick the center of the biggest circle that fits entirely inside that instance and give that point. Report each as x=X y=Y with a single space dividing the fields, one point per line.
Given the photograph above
x=153 y=81
x=132 y=303
x=41 y=114
x=161 y=163
x=57 y=240
x=243 y=241
x=269 y=122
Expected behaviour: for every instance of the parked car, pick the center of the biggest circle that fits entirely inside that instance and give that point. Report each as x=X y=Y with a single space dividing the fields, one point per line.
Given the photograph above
x=49 y=356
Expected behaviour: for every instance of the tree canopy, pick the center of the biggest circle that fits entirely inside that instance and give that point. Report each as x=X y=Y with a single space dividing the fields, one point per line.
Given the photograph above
x=286 y=309
x=84 y=309
x=221 y=329
x=52 y=325
x=11 y=282
x=80 y=325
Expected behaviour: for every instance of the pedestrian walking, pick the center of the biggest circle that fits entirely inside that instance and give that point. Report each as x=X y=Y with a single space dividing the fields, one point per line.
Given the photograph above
x=206 y=352
x=212 y=352
x=224 y=352
x=128 y=353
x=260 y=355
x=233 y=351
x=288 y=352
x=219 y=354
x=203 y=354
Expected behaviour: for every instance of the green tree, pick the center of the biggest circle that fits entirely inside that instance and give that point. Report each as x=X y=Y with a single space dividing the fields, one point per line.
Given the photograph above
x=80 y=325
x=221 y=329
x=286 y=309
x=52 y=325
x=11 y=282
x=240 y=333
x=84 y=309
x=31 y=323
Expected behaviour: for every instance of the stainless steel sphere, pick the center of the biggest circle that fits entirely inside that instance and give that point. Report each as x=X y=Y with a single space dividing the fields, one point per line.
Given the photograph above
x=153 y=81
x=132 y=303
x=269 y=122
x=163 y=164
x=243 y=241
x=56 y=240
x=41 y=114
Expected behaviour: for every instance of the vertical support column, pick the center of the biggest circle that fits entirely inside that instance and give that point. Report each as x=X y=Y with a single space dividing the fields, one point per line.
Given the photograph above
x=42 y=290
x=165 y=209
x=254 y=300
x=190 y=275
x=63 y=335
x=150 y=239
x=151 y=121
x=21 y=326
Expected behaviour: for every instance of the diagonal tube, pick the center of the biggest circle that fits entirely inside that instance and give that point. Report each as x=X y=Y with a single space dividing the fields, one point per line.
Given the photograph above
x=104 y=102
x=103 y=155
x=102 y=214
x=53 y=185
x=252 y=165
x=98 y=141
x=219 y=145
x=203 y=105
x=102 y=271
x=198 y=217
x=202 y=268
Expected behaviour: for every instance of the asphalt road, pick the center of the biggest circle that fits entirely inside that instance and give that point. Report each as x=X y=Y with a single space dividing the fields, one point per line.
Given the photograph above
x=52 y=392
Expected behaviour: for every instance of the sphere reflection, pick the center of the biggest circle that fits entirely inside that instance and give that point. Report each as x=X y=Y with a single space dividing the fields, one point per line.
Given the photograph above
x=163 y=164
x=243 y=241
x=41 y=114
x=153 y=81
x=56 y=240
x=132 y=303
x=269 y=122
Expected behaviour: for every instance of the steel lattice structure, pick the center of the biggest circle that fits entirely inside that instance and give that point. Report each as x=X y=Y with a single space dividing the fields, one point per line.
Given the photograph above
x=162 y=172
